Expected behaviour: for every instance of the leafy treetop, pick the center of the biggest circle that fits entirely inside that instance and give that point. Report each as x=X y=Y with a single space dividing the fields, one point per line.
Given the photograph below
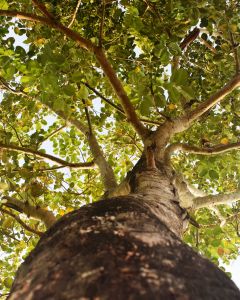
x=92 y=85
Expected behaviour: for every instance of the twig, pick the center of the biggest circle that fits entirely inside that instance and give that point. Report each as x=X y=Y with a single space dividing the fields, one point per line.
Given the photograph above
x=24 y=225
x=102 y=24
x=53 y=133
x=6 y=86
x=210 y=47
x=88 y=117
x=17 y=135
x=75 y=14
x=235 y=53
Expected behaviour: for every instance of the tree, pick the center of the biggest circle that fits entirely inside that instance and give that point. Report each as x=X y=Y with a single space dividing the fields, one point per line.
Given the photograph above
x=135 y=103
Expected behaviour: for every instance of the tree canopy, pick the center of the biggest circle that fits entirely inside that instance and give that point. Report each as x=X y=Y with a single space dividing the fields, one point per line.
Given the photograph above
x=84 y=84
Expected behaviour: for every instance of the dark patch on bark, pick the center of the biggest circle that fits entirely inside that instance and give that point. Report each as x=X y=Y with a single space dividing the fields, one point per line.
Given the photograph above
x=117 y=249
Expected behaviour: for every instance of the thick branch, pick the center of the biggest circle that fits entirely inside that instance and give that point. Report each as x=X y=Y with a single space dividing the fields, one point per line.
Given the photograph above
x=24 y=225
x=184 y=122
x=82 y=42
x=59 y=161
x=106 y=170
x=42 y=214
x=208 y=201
x=196 y=150
x=122 y=95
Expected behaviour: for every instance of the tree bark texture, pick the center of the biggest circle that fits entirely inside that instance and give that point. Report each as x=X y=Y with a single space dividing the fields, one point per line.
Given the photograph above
x=126 y=247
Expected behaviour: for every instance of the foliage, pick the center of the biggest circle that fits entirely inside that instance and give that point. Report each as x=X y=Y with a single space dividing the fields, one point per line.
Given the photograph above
x=43 y=72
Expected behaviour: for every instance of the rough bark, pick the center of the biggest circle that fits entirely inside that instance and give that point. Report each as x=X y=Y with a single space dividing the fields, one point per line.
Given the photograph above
x=125 y=247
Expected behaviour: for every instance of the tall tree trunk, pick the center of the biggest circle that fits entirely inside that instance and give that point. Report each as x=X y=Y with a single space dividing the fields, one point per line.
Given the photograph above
x=126 y=247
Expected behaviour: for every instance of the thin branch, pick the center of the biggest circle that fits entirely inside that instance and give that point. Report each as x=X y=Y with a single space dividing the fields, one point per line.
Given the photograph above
x=235 y=52
x=5 y=86
x=42 y=214
x=184 y=122
x=102 y=24
x=17 y=135
x=75 y=14
x=43 y=9
x=210 y=47
x=209 y=151
x=53 y=133
x=88 y=117
x=118 y=108
x=208 y=201
x=59 y=161
x=24 y=225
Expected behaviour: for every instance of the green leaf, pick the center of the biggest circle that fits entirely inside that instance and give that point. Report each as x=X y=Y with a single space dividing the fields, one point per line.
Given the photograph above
x=3 y=4
x=174 y=48
x=213 y=174
x=203 y=172
x=145 y=106
x=83 y=92
x=180 y=77
x=69 y=90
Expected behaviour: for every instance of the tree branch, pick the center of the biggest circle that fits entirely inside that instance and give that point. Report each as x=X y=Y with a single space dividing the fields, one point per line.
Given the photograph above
x=208 y=201
x=42 y=214
x=59 y=161
x=196 y=150
x=122 y=95
x=184 y=122
x=24 y=225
